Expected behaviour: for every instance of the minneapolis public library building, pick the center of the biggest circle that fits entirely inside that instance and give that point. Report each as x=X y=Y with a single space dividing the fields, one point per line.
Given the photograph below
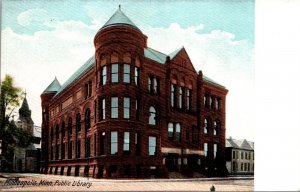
x=132 y=111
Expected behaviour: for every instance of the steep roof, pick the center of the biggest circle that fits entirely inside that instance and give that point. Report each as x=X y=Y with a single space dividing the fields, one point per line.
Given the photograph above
x=174 y=53
x=53 y=87
x=209 y=80
x=24 y=110
x=119 y=18
x=240 y=144
x=155 y=55
x=85 y=67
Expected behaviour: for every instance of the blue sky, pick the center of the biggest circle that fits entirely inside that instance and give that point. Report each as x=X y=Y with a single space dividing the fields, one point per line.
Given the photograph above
x=44 y=39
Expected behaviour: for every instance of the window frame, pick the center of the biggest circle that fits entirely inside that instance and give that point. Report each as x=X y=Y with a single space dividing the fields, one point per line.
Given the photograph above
x=114 y=109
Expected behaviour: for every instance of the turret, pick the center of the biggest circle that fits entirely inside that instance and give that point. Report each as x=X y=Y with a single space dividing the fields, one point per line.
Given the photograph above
x=119 y=33
x=46 y=96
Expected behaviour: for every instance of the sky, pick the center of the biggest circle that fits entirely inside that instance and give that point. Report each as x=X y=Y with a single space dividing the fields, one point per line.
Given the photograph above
x=42 y=40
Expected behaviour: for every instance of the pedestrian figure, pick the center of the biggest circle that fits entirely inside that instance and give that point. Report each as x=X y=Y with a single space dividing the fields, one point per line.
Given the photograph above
x=212 y=188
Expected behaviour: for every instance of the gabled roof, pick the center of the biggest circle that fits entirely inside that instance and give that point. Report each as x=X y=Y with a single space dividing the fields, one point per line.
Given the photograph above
x=119 y=18
x=174 y=53
x=240 y=144
x=209 y=80
x=85 y=67
x=53 y=87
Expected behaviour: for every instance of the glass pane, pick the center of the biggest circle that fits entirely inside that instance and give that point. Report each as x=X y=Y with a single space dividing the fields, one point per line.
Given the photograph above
x=114 y=68
x=114 y=148
x=178 y=128
x=152 y=119
x=114 y=136
x=114 y=78
x=126 y=102
x=127 y=78
x=151 y=150
x=126 y=137
x=114 y=102
x=103 y=108
x=126 y=68
x=170 y=127
x=152 y=141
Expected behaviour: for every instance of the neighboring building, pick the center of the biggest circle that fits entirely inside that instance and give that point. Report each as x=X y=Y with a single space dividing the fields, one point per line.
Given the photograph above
x=131 y=111
x=27 y=159
x=240 y=157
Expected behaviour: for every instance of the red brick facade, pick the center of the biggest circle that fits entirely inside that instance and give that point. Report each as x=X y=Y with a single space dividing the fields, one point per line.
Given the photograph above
x=127 y=135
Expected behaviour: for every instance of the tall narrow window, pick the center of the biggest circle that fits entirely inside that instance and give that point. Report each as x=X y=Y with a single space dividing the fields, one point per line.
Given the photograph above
x=170 y=131
x=152 y=145
x=126 y=145
x=126 y=107
x=78 y=147
x=126 y=73
x=57 y=132
x=205 y=149
x=149 y=85
x=90 y=88
x=188 y=99
x=215 y=127
x=103 y=75
x=70 y=150
x=63 y=131
x=136 y=75
x=205 y=126
x=114 y=73
x=178 y=132
x=215 y=150
x=173 y=96
x=114 y=107
x=70 y=126
x=88 y=147
x=211 y=103
x=181 y=97
x=206 y=101
x=78 y=122
x=62 y=151
x=114 y=143
x=152 y=117
x=217 y=103
x=87 y=119
x=138 y=143
x=155 y=86
x=137 y=109
x=51 y=135
x=102 y=143
x=102 y=109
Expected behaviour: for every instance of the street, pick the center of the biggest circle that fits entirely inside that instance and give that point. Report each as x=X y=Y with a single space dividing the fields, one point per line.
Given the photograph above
x=40 y=182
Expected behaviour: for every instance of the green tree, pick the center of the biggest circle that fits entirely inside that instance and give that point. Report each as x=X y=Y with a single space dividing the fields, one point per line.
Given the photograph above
x=11 y=136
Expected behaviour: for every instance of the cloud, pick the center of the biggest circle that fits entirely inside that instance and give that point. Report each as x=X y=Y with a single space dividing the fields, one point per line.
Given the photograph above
x=31 y=15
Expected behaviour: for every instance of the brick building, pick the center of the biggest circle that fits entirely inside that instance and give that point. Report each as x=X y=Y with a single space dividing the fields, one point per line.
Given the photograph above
x=131 y=111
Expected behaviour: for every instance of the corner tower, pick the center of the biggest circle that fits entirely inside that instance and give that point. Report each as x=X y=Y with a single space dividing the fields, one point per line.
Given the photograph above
x=46 y=97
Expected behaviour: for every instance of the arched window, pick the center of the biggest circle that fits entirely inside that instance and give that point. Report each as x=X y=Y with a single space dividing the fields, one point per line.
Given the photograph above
x=152 y=117
x=57 y=131
x=170 y=131
x=70 y=126
x=78 y=122
x=87 y=119
x=178 y=132
x=63 y=130
x=217 y=126
x=205 y=126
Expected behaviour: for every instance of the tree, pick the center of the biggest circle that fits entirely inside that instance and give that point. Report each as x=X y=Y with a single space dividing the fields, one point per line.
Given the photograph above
x=11 y=136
